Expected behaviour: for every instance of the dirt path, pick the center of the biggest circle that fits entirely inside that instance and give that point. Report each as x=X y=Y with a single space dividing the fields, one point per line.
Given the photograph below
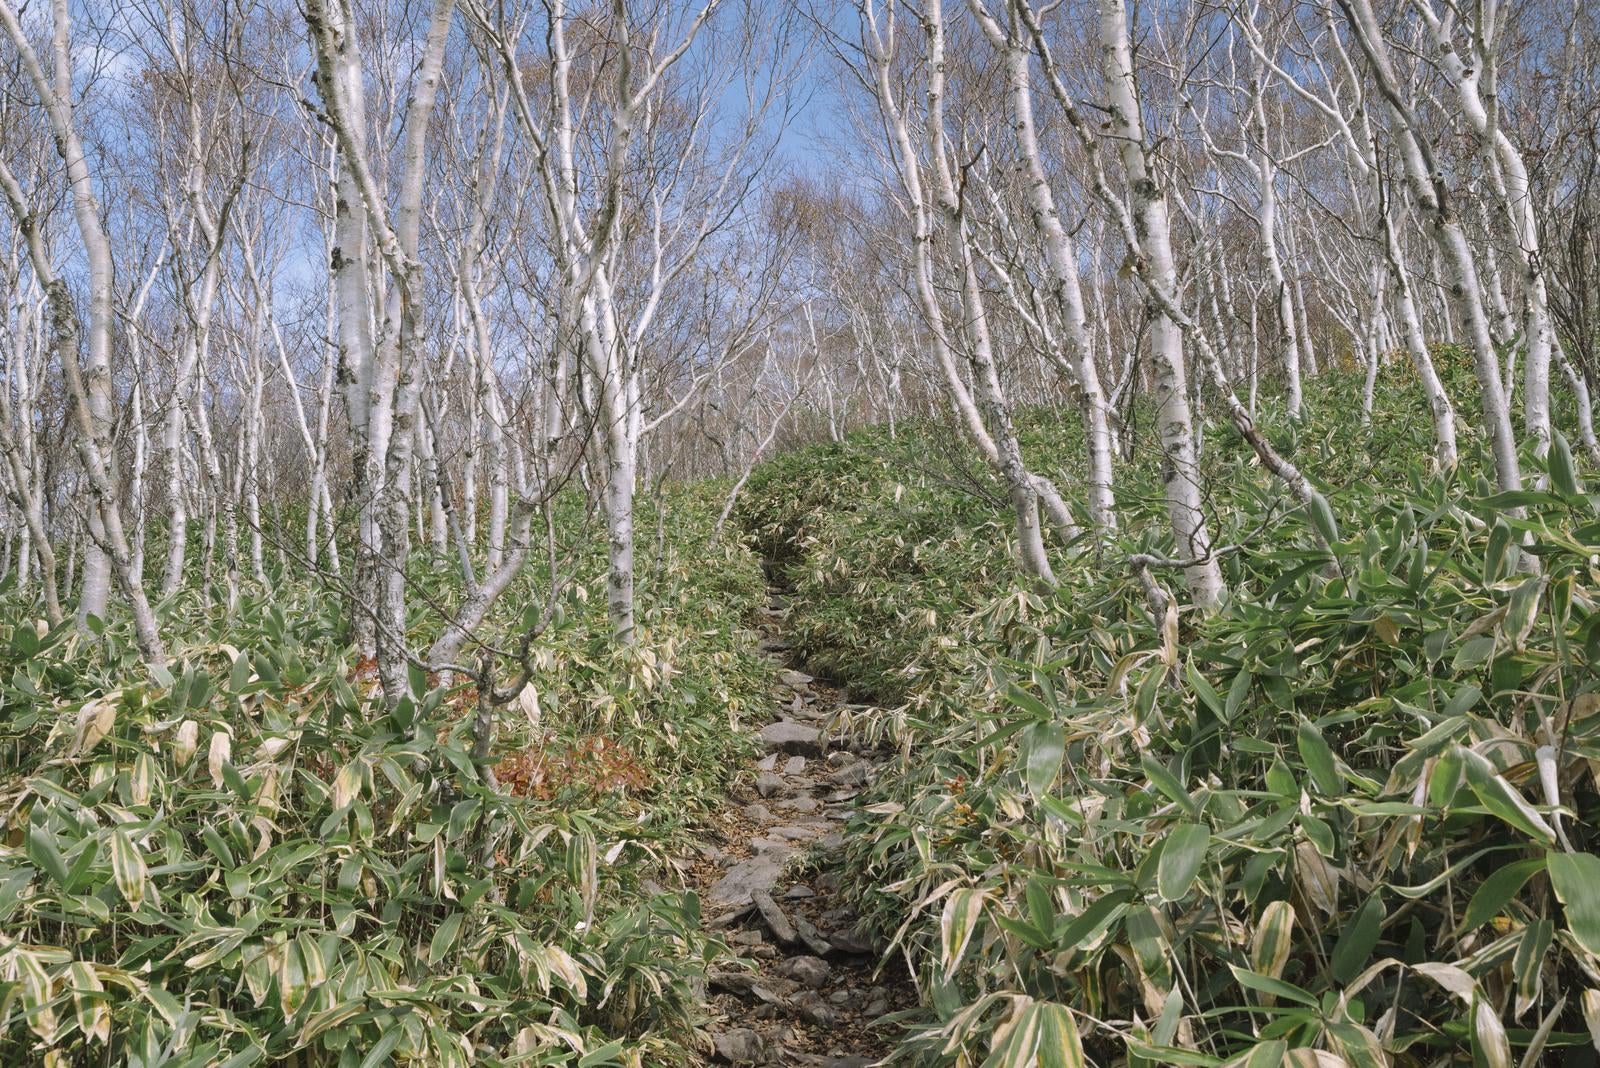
x=771 y=890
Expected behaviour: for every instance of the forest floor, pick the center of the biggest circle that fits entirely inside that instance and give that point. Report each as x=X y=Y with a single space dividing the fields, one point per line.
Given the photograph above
x=813 y=986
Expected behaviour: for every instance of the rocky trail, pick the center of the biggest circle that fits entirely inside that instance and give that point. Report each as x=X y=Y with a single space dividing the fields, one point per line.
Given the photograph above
x=771 y=889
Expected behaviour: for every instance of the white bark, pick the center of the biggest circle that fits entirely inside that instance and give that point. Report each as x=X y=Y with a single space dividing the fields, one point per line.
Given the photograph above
x=90 y=386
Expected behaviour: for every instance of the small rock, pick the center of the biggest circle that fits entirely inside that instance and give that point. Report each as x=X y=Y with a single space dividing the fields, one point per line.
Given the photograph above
x=776 y=848
x=847 y=1062
x=793 y=834
x=746 y=938
x=757 y=873
x=812 y=971
x=841 y=758
x=800 y=804
x=795 y=680
x=877 y=1003
x=768 y=762
x=774 y=917
x=852 y=775
x=773 y=645
x=740 y=1046
x=844 y=997
x=812 y=937
x=794 y=765
x=761 y=993
x=787 y=736
x=799 y=891
x=758 y=812
x=851 y=942
x=809 y=1006
x=732 y=982
x=769 y=783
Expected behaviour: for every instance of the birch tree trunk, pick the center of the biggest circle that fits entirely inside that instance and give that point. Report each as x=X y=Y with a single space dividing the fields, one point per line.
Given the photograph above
x=1181 y=471
x=91 y=386
x=1431 y=192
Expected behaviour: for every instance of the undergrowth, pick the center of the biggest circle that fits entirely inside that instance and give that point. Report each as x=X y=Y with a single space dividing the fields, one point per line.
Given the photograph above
x=247 y=857
x=1348 y=819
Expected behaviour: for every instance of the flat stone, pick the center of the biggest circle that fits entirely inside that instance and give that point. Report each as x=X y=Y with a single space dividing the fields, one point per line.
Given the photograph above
x=760 y=872
x=787 y=736
x=769 y=783
x=852 y=775
x=774 y=917
x=758 y=812
x=799 y=891
x=776 y=848
x=740 y=983
x=810 y=1007
x=794 y=765
x=812 y=937
x=812 y=971
x=793 y=834
x=773 y=645
x=795 y=680
x=768 y=762
x=847 y=1062
x=771 y=997
x=851 y=942
x=740 y=1046
x=805 y=805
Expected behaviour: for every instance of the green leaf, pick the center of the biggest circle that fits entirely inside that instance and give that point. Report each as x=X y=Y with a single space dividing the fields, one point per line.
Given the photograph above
x=1494 y=555
x=1318 y=758
x=1360 y=937
x=1263 y=984
x=1521 y=610
x=1563 y=474
x=1167 y=783
x=601 y=1054
x=389 y=1038
x=1043 y=746
x=1203 y=689
x=1495 y=892
x=961 y=912
x=444 y=938
x=1501 y=798
x=1059 y=1044
x=1087 y=925
x=1238 y=690
x=1182 y=854
x=128 y=869
x=1322 y=518
x=1269 y=948
x=1529 y=961
x=43 y=852
x=1576 y=880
